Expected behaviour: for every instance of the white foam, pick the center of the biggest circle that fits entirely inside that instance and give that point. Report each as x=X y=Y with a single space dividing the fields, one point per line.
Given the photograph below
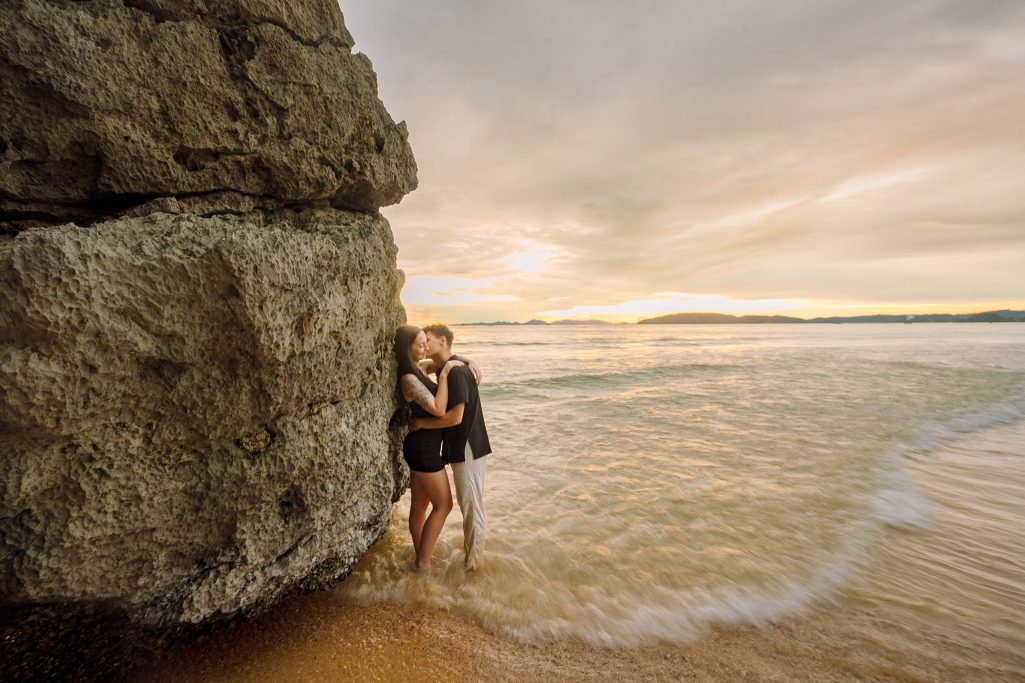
x=902 y=506
x=899 y=504
x=1006 y=412
x=509 y=595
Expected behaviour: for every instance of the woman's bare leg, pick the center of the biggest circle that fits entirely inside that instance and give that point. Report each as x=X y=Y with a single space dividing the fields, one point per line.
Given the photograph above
x=436 y=489
x=417 y=509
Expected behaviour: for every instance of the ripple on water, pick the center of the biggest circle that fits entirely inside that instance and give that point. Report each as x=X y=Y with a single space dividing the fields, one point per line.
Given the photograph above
x=644 y=499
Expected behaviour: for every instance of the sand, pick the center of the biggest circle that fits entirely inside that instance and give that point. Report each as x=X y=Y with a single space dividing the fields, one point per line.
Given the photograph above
x=316 y=637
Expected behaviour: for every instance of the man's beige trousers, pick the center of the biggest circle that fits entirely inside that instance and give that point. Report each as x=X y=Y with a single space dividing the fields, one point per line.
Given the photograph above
x=469 y=478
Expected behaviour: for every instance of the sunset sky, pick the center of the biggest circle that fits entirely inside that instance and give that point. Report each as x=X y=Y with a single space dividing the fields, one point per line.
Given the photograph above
x=599 y=159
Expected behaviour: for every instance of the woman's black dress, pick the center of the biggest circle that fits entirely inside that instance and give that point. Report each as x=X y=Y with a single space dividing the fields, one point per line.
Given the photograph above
x=422 y=448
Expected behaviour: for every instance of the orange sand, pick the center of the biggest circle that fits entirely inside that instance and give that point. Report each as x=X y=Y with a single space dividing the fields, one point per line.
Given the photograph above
x=317 y=638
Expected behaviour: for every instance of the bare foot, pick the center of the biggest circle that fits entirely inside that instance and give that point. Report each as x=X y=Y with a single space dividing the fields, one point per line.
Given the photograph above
x=416 y=567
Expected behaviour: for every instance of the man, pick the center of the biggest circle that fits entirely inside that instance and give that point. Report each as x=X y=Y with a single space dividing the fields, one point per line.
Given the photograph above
x=465 y=442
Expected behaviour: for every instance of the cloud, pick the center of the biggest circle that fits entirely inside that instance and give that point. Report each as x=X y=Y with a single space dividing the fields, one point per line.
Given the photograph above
x=718 y=147
x=529 y=261
x=674 y=302
x=448 y=291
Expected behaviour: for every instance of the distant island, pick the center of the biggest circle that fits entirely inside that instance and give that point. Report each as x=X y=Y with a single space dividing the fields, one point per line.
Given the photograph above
x=718 y=319
x=723 y=319
x=542 y=322
x=1005 y=316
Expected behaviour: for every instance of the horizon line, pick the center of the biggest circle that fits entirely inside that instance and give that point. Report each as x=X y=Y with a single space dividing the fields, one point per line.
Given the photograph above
x=599 y=321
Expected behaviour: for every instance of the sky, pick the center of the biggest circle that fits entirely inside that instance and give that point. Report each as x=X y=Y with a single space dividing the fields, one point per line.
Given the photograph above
x=601 y=159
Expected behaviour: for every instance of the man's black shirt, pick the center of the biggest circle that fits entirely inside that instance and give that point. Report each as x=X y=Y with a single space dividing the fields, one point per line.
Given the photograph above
x=462 y=388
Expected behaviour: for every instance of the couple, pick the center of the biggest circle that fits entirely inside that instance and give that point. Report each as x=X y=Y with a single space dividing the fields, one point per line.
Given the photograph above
x=447 y=428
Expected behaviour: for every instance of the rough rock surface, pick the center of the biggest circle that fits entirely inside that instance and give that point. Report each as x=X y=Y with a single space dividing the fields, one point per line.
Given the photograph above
x=194 y=407
x=194 y=417
x=107 y=103
x=196 y=380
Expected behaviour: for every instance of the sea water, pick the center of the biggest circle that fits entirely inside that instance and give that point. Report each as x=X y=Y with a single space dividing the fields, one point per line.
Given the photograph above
x=648 y=482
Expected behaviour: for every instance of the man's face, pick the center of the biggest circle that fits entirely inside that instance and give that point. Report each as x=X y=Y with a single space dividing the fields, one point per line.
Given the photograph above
x=435 y=345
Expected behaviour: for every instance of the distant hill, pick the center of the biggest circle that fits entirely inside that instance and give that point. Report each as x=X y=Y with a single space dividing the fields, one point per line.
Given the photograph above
x=987 y=317
x=1016 y=316
x=499 y=323
x=717 y=319
x=1005 y=316
x=542 y=322
x=493 y=324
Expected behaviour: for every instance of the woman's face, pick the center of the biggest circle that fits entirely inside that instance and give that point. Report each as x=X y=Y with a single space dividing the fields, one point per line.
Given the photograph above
x=418 y=350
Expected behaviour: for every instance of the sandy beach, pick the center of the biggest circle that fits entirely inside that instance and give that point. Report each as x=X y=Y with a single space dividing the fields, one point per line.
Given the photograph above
x=316 y=638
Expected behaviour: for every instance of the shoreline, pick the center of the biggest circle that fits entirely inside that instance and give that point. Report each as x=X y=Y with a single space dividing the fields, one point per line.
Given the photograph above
x=317 y=637
x=866 y=631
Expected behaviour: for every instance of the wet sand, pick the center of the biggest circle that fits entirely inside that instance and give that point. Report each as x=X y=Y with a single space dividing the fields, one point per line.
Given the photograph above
x=318 y=638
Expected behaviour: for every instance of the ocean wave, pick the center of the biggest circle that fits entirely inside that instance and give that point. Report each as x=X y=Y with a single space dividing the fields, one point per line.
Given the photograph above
x=604 y=377
x=1005 y=412
x=952 y=365
x=509 y=595
x=659 y=614
x=522 y=591
x=898 y=503
x=473 y=344
x=591 y=343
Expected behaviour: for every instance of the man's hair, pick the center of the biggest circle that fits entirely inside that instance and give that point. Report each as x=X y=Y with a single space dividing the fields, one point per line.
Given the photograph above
x=441 y=330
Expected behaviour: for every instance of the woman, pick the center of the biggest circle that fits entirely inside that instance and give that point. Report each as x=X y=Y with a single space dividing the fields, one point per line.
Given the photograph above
x=422 y=448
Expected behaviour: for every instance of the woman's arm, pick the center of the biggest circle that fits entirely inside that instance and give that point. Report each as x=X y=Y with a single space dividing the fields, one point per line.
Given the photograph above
x=413 y=390
x=450 y=419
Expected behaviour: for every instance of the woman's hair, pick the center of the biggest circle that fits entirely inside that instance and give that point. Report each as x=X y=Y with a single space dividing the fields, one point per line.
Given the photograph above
x=404 y=338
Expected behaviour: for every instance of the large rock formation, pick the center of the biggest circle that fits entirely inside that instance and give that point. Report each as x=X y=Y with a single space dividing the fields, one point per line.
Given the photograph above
x=108 y=102
x=195 y=373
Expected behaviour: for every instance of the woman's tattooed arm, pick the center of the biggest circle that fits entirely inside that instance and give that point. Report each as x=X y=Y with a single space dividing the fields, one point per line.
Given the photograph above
x=414 y=391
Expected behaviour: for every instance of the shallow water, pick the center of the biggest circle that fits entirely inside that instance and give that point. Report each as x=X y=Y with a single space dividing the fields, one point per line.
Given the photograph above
x=651 y=481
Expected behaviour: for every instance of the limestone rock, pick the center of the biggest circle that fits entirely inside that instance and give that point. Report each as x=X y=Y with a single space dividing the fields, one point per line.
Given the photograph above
x=108 y=103
x=197 y=303
x=194 y=415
